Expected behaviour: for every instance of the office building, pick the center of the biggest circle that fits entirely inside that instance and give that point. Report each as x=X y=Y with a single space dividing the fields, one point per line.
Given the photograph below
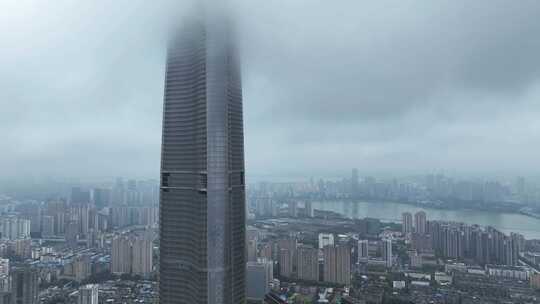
x=202 y=207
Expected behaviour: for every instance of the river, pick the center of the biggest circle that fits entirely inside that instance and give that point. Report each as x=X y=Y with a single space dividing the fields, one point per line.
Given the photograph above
x=391 y=212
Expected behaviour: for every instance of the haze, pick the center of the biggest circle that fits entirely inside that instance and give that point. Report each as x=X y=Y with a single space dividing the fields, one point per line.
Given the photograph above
x=389 y=87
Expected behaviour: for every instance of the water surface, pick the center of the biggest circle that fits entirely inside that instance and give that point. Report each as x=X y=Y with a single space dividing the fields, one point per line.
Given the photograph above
x=391 y=212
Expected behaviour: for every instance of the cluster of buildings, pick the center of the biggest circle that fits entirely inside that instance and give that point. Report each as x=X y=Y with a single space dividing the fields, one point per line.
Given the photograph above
x=462 y=241
x=132 y=254
x=48 y=249
x=433 y=190
x=327 y=259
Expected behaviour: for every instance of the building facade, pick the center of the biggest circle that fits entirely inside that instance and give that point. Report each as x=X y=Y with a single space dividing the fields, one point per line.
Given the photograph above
x=202 y=202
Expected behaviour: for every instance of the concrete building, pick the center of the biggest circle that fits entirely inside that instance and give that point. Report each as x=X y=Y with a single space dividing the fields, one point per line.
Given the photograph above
x=420 y=222
x=285 y=262
x=387 y=253
x=88 y=294
x=337 y=264
x=407 y=223
x=308 y=263
x=326 y=239
x=259 y=276
x=24 y=285
x=47 y=226
x=142 y=252
x=121 y=254
x=363 y=251
x=14 y=228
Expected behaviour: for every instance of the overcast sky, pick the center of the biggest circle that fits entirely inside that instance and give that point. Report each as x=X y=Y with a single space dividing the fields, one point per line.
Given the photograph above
x=390 y=87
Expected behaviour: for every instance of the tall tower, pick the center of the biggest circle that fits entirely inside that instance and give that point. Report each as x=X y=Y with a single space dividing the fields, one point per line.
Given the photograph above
x=202 y=192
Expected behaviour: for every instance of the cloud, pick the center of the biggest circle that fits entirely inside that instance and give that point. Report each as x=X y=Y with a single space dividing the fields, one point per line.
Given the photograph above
x=387 y=86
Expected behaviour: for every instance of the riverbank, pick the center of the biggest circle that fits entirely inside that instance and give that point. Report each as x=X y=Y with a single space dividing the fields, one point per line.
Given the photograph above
x=392 y=211
x=508 y=208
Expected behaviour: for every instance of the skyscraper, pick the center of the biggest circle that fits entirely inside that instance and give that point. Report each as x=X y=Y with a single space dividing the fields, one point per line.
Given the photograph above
x=202 y=207
x=420 y=222
x=407 y=220
x=24 y=285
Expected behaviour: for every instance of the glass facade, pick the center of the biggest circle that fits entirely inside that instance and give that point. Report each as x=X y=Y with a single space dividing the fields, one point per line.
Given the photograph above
x=202 y=202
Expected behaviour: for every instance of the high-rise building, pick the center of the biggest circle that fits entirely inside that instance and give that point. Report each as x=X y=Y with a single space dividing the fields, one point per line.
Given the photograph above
x=363 y=251
x=47 y=226
x=4 y=266
x=142 y=249
x=24 y=285
x=72 y=233
x=407 y=220
x=132 y=254
x=101 y=197
x=387 y=253
x=82 y=267
x=308 y=263
x=293 y=208
x=121 y=254
x=285 y=262
x=326 y=239
x=337 y=264
x=308 y=209
x=14 y=228
x=79 y=196
x=420 y=222
x=202 y=208
x=252 y=250
x=259 y=277
x=88 y=294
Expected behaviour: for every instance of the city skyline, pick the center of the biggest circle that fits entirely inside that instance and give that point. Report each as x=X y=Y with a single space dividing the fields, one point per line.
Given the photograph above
x=248 y=152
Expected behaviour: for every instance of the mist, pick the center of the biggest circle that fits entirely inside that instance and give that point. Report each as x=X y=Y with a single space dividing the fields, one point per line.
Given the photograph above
x=389 y=87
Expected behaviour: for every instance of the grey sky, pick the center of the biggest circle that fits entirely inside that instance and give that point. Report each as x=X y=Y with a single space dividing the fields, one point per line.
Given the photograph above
x=386 y=86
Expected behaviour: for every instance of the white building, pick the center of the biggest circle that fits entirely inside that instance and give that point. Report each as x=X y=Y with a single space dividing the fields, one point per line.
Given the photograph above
x=88 y=294
x=14 y=228
x=326 y=239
